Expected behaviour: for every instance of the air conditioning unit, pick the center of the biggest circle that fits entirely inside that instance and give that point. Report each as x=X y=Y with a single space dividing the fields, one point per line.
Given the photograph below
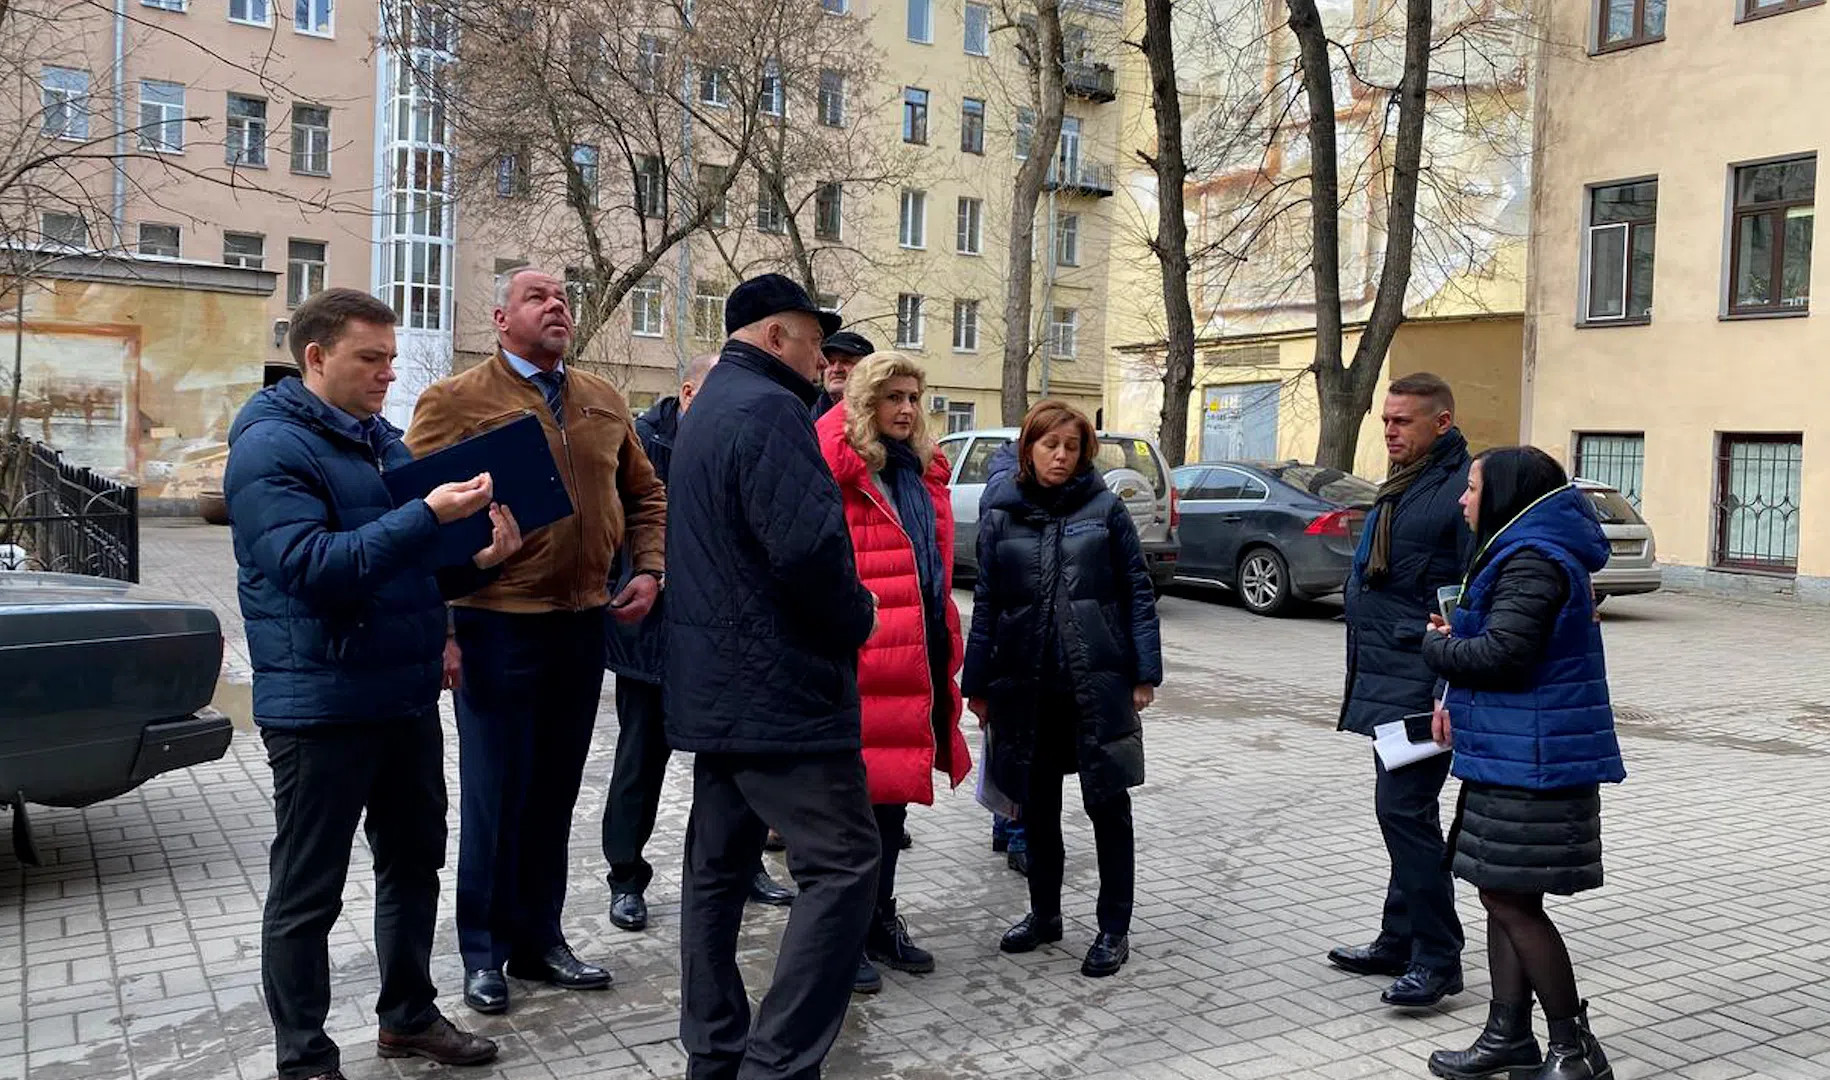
x=937 y=403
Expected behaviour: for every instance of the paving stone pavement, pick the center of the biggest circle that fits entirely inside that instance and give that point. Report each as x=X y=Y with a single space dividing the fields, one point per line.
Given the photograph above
x=133 y=954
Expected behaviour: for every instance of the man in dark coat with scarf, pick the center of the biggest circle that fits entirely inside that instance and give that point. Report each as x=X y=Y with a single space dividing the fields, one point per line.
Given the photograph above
x=1415 y=542
x=637 y=653
x=767 y=614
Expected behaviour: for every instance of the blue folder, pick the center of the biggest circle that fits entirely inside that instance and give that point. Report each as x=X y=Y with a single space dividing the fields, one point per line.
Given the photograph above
x=520 y=463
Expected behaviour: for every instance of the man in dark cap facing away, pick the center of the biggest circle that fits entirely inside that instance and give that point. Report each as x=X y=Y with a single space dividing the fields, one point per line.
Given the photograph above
x=767 y=614
x=842 y=352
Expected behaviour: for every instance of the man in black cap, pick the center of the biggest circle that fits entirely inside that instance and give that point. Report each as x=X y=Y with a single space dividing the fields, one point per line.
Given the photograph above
x=843 y=350
x=767 y=614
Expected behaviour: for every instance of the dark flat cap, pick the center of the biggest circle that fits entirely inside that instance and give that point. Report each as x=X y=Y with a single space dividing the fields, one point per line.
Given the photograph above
x=849 y=343
x=771 y=294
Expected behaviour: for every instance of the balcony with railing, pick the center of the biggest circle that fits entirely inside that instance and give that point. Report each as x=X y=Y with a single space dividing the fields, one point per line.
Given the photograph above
x=1076 y=177
x=1090 y=79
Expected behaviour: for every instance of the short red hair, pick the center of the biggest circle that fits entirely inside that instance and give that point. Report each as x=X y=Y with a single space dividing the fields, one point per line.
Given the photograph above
x=1044 y=417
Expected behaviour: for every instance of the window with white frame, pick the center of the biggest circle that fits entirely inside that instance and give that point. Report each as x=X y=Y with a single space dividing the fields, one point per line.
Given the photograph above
x=1623 y=224
x=969 y=234
x=312 y=17
x=161 y=116
x=651 y=62
x=64 y=97
x=1067 y=239
x=972 y=126
x=61 y=228
x=254 y=12
x=961 y=416
x=311 y=140
x=1025 y=133
x=829 y=212
x=832 y=98
x=773 y=98
x=771 y=211
x=965 y=326
x=511 y=175
x=978 y=30
x=158 y=240
x=908 y=321
x=164 y=5
x=646 y=314
x=912 y=231
x=650 y=186
x=583 y=178
x=921 y=21
x=245 y=141
x=827 y=302
x=708 y=310
x=304 y=270
x=1063 y=333
x=715 y=87
x=581 y=289
x=247 y=250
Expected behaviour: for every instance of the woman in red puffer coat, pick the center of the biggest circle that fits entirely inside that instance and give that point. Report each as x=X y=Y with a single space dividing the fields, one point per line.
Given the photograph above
x=900 y=514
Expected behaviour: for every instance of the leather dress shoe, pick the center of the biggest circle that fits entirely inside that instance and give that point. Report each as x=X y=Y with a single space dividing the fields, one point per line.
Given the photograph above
x=766 y=890
x=1030 y=933
x=1422 y=987
x=1370 y=960
x=486 y=991
x=560 y=967
x=1505 y=1048
x=442 y=1042
x=628 y=911
x=1108 y=954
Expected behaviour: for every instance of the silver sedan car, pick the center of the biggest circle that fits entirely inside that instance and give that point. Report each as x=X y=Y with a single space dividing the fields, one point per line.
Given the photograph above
x=1632 y=563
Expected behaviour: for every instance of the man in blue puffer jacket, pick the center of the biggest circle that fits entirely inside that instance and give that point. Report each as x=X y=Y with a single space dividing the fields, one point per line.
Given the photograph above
x=1414 y=543
x=346 y=627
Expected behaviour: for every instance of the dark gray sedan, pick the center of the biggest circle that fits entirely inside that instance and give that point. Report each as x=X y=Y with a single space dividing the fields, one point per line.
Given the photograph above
x=1273 y=533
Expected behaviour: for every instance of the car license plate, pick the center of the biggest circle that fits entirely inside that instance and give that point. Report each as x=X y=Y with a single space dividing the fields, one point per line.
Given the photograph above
x=1626 y=547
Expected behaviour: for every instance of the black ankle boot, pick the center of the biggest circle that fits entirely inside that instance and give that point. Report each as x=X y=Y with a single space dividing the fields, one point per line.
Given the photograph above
x=888 y=943
x=1505 y=1048
x=1574 y=1054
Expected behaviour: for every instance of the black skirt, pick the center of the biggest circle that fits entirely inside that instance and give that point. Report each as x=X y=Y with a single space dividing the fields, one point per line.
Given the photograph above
x=1517 y=840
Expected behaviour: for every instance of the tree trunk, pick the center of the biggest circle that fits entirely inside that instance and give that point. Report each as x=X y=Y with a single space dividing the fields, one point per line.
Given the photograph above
x=1345 y=393
x=1171 y=243
x=1050 y=101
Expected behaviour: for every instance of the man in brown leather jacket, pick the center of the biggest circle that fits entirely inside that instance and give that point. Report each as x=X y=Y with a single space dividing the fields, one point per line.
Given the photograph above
x=527 y=658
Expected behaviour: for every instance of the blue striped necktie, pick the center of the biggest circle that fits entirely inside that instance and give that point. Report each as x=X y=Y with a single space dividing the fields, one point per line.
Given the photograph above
x=553 y=384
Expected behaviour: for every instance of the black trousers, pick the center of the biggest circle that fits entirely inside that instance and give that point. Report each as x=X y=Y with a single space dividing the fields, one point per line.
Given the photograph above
x=820 y=805
x=1113 y=845
x=636 y=778
x=1420 y=919
x=525 y=713
x=635 y=782
x=891 y=818
x=324 y=779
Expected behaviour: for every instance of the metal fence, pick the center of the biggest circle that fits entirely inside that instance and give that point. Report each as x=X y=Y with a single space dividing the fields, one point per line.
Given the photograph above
x=65 y=518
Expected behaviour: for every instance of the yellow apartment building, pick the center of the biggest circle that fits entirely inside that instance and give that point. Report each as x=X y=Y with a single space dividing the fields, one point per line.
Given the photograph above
x=1671 y=348
x=1251 y=290
x=950 y=103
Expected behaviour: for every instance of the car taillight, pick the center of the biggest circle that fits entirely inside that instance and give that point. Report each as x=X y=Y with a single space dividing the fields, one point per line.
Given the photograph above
x=1331 y=524
x=1175 y=508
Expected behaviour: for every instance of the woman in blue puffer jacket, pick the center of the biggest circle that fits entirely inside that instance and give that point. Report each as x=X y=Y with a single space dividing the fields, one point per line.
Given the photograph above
x=1528 y=714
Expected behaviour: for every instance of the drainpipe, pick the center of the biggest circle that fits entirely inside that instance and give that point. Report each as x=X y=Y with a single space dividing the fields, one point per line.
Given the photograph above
x=120 y=123
x=683 y=299
x=1048 y=284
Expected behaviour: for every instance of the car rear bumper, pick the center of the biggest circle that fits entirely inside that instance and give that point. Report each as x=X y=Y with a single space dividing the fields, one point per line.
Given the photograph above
x=1163 y=559
x=1628 y=580
x=1318 y=569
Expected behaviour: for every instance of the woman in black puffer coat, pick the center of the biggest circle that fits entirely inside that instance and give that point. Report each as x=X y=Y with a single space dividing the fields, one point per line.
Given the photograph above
x=1527 y=711
x=1064 y=653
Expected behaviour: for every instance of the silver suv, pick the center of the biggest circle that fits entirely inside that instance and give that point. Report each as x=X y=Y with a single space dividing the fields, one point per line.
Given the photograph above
x=1132 y=466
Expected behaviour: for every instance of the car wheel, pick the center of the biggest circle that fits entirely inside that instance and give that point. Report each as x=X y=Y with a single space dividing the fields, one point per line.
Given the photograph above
x=1264 y=581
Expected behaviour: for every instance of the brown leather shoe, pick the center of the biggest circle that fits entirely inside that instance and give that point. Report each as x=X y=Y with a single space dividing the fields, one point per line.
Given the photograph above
x=443 y=1042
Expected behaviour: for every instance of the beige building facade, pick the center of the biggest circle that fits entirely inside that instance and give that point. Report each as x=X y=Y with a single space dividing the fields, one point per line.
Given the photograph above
x=1671 y=348
x=927 y=270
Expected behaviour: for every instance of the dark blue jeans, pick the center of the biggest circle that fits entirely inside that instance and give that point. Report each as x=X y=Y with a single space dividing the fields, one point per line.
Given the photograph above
x=525 y=712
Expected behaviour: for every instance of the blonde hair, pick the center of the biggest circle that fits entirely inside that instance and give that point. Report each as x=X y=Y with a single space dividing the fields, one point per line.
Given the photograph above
x=864 y=389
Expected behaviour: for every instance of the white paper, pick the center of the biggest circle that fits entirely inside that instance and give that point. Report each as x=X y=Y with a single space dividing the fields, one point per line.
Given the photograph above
x=1396 y=750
